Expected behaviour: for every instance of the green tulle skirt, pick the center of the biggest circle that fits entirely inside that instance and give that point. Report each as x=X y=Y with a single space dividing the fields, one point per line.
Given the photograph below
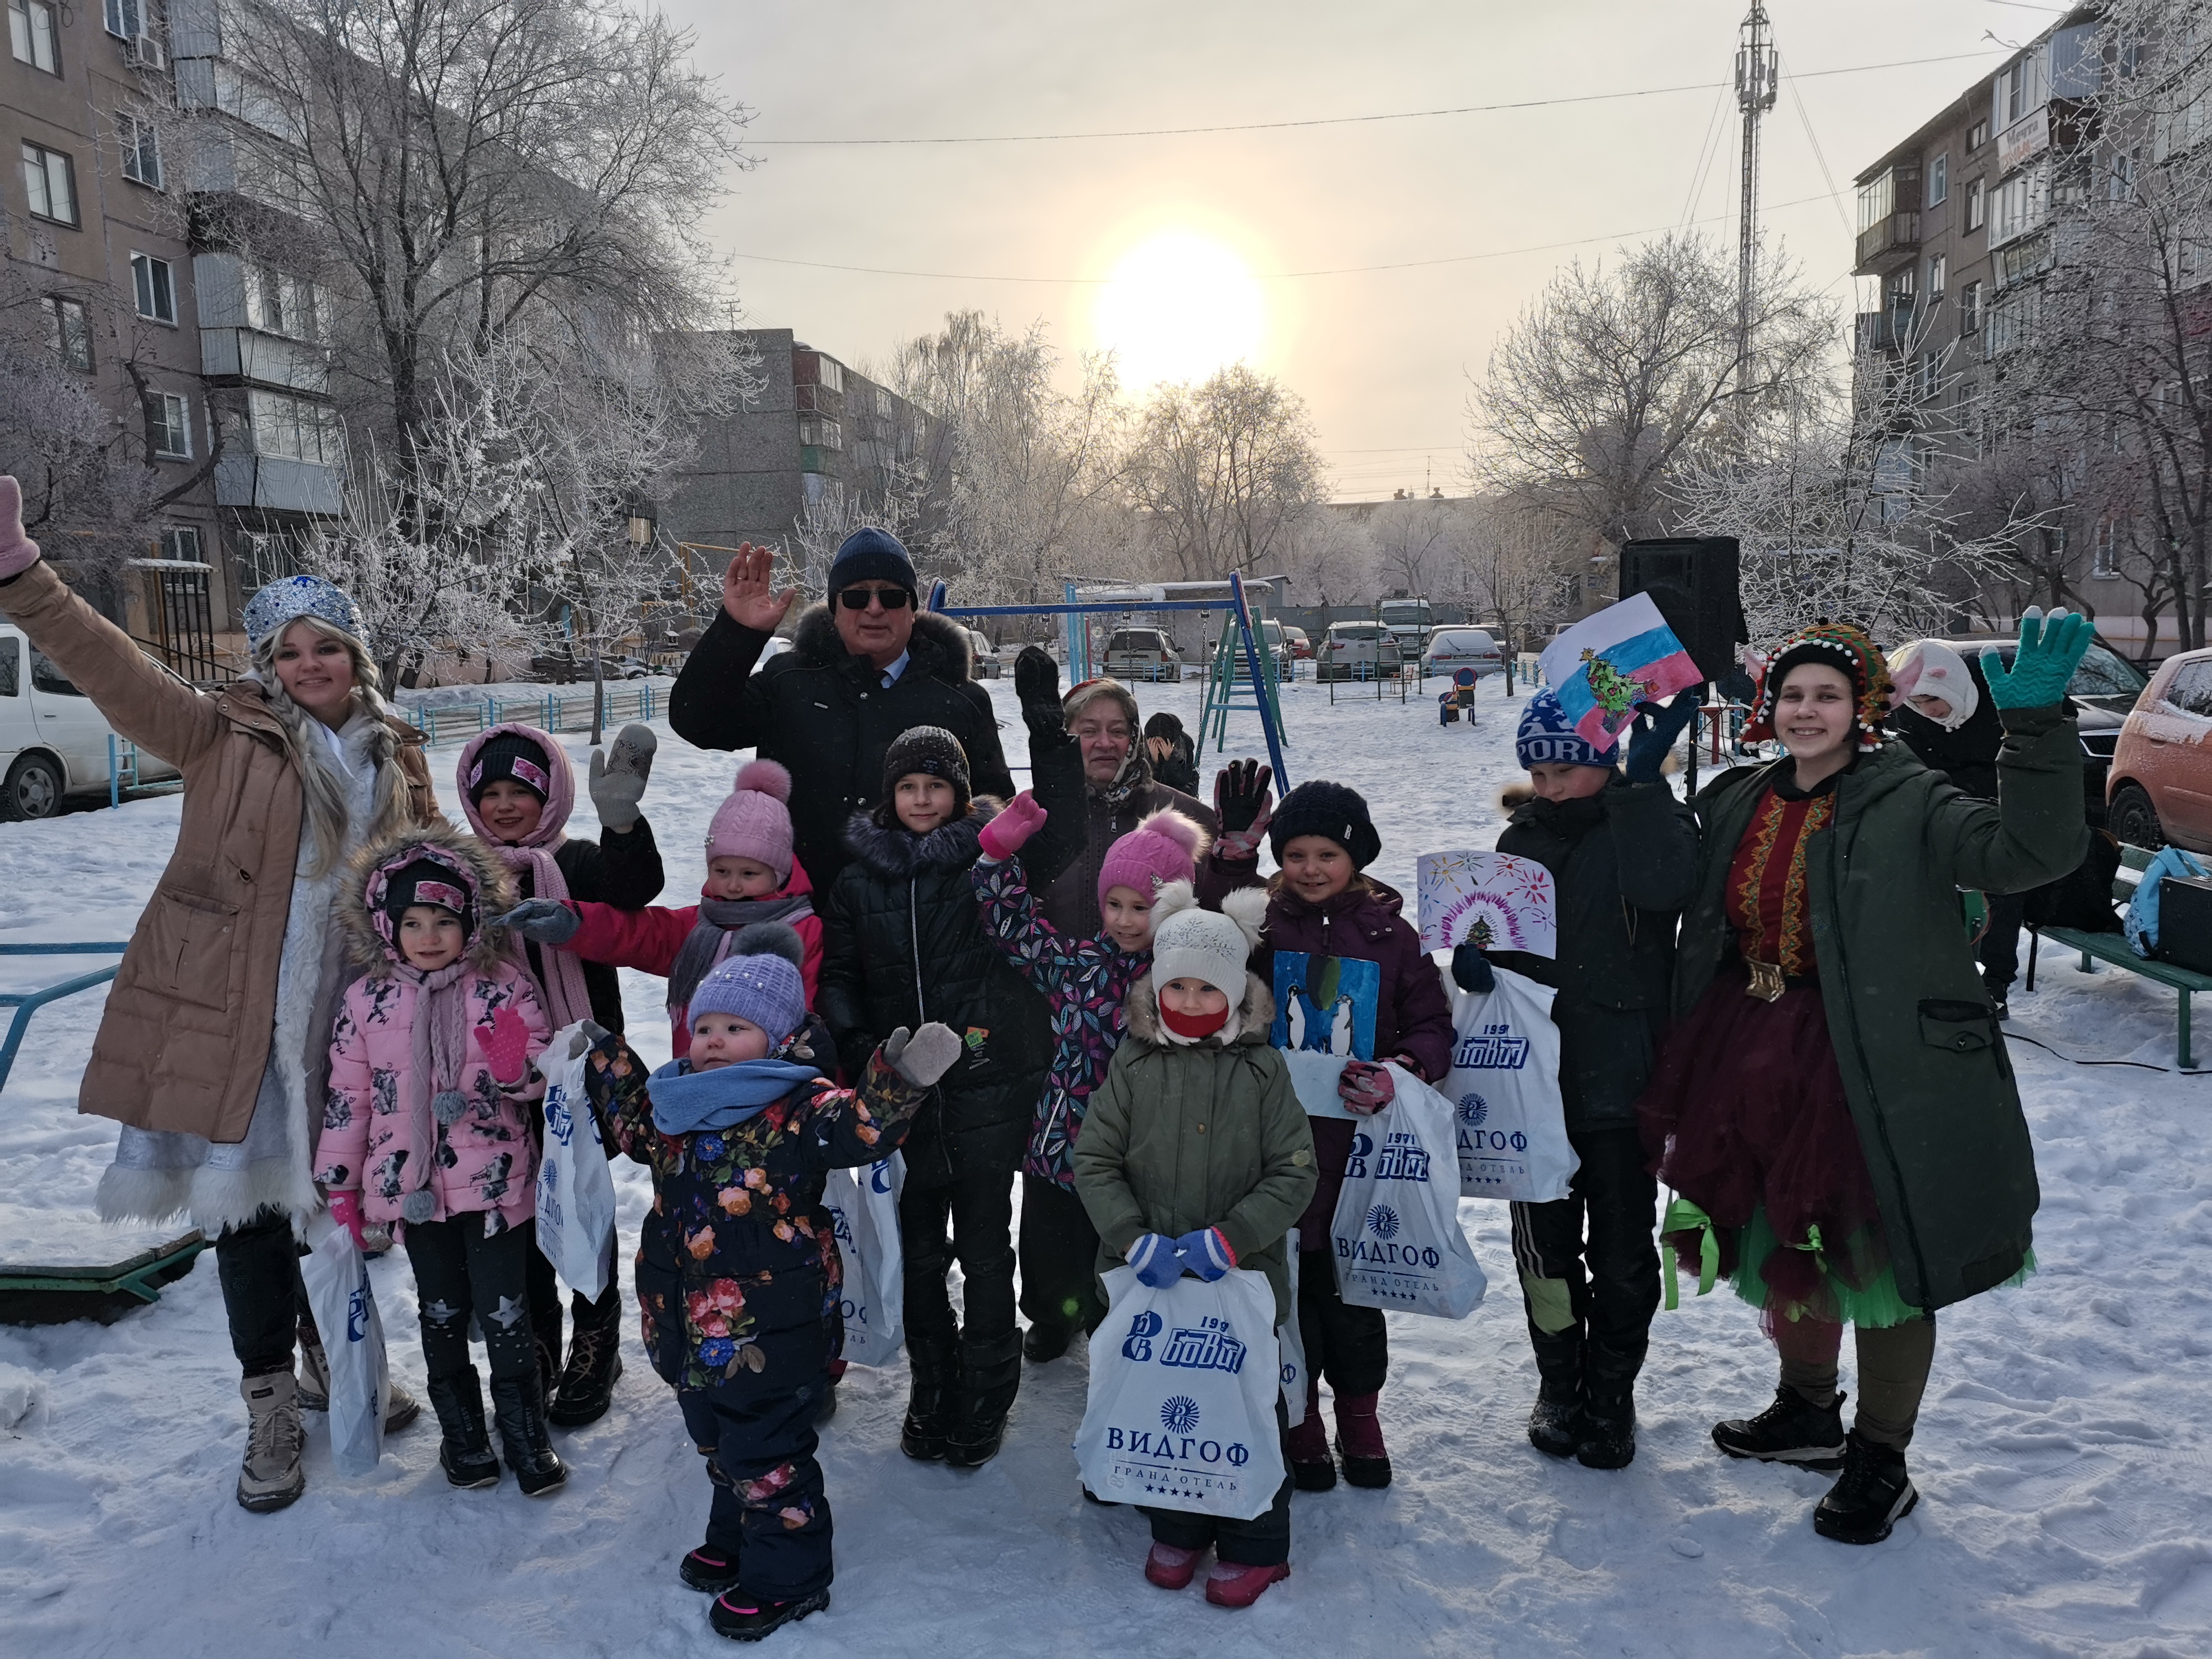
x=1857 y=1284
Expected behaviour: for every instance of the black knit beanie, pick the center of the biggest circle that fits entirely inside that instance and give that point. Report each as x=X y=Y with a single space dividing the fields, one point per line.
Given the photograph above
x=1335 y=810
x=495 y=764
x=427 y=881
x=934 y=751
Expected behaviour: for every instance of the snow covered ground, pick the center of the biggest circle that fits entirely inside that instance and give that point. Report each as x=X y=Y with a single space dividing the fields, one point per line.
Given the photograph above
x=2062 y=1458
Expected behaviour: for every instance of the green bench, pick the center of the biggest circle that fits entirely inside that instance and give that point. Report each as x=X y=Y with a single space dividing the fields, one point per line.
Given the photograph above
x=2115 y=949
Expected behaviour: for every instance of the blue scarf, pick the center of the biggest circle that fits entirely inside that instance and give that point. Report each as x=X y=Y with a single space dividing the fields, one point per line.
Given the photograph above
x=685 y=1100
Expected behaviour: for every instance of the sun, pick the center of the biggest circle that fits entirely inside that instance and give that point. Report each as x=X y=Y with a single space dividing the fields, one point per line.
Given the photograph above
x=1179 y=306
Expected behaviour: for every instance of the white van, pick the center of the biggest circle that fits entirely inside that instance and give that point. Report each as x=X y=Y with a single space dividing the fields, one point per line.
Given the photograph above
x=53 y=742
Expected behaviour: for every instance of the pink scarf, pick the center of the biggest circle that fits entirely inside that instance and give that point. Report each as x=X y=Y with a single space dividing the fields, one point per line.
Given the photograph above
x=567 y=998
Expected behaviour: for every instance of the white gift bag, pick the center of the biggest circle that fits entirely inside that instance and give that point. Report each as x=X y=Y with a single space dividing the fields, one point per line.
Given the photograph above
x=1294 y=1345
x=1503 y=1086
x=575 y=1187
x=345 y=1307
x=1395 y=1235
x=863 y=1204
x=1182 y=1410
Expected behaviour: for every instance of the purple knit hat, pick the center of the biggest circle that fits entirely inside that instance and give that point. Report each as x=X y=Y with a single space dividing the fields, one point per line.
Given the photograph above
x=759 y=981
x=1164 y=847
x=754 y=822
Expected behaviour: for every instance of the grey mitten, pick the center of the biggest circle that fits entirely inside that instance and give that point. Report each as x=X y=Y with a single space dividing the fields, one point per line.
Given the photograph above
x=924 y=1057
x=543 y=921
x=617 y=781
x=587 y=1034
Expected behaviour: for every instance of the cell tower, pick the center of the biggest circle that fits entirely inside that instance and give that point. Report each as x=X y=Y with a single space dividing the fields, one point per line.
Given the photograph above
x=1755 y=87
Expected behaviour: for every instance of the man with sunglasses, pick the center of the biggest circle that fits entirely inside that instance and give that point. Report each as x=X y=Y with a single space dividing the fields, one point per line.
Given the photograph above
x=863 y=666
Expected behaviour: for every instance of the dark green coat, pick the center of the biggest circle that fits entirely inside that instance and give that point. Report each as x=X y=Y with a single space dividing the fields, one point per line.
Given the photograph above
x=1923 y=1063
x=1185 y=1136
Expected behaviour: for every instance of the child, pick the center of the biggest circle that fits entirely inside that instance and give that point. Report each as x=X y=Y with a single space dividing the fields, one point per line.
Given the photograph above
x=1320 y=903
x=904 y=942
x=751 y=876
x=1196 y=1158
x=423 y=1126
x=1086 y=981
x=729 y=1281
x=518 y=788
x=1624 y=853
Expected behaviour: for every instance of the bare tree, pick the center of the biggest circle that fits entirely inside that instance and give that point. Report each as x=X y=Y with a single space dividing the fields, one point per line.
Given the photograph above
x=1328 y=552
x=1604 y=390
x=1223 y=469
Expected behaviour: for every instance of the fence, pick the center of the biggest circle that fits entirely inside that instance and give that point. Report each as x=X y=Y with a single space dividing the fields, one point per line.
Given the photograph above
x=554 y=711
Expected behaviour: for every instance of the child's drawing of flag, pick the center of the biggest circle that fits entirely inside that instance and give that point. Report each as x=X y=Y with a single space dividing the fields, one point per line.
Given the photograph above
x=1606 y=663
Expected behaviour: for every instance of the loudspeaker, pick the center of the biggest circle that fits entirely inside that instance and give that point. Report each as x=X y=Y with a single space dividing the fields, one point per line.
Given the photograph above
x=1693 y=581
x=2184 y=923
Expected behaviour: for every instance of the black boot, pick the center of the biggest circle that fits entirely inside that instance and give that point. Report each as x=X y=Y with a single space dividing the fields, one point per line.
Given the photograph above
x=743 y=1619
x=1042 y=1343
x=991 y=1376
x=1555 y=1426
x=1608 y=1432
x=709 y=1568
x=1790 y=1431
x=519 y=1407
x=1872 y=1495
x=587 y=1387
x=466 y=1452
x=933 y=1407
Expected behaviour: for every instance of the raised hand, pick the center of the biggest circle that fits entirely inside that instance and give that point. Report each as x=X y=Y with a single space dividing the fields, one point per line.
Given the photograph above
x=1655 y=735
x=542 y=922
x=1243 y=800
x=1036 y=687
x=748 y=590
x=1005 y=834
x=2051 y=648
x=506 y=1045
x=926 y=1056
x=617 y=784
x=18 y=552
x=1471 y=970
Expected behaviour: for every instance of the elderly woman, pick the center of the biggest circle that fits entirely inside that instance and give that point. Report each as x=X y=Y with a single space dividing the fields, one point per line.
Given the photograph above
x=212 y=1050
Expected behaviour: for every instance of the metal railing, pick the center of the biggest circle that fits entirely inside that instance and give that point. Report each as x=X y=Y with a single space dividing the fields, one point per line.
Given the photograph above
x=27 y=1003
x=554 y=711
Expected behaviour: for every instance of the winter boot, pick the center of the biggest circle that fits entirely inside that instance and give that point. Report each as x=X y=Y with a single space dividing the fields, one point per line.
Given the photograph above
x=1312 y=1469
x=271 y=1476
x=1609 y=1433
x=1872 y=1494
x=466 y=1452
x=588 y=1386
x=400 y=1408
x=710 y=1568
x=1555 y=1426
x=932 y=1405
x=1791 y=1431
x=1172 y=1568
x=1359 y=1443
x=744 y=1618
x=1042 y=1344
x=991 y=1376
x=826 y=1408
x=1233 y=1585
x=520 y=1410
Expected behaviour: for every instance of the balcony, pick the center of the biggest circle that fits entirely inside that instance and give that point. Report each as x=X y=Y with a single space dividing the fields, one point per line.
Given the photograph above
x=1884 y=242
x=1889 y=330
x=272 y=484
x=248 y=354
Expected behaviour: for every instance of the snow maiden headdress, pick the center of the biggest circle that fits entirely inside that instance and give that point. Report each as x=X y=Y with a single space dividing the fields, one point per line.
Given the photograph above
x=1834 y=644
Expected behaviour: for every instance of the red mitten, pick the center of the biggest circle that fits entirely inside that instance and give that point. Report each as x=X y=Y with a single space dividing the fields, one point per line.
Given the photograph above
x=345 y=1210
x=1005 y=834
x=506 y=1045
x=1365 y=1087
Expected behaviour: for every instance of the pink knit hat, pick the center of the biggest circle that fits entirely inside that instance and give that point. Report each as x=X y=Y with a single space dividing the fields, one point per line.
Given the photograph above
x=753 y=823
x=1164 y=847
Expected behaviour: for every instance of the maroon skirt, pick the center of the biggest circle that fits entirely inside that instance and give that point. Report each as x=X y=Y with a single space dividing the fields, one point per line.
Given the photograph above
x=1746 y=1117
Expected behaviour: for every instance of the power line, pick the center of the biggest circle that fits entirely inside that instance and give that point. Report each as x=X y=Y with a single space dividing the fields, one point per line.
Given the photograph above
x=1329 y=120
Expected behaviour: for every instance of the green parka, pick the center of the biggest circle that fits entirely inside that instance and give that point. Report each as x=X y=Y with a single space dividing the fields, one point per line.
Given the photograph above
x=1923 y=1063
x=1185 y=1136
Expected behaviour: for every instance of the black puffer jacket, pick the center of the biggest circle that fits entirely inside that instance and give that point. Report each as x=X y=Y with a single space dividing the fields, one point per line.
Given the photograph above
x=825 y=714
x=902 y=942
x=1626 y=863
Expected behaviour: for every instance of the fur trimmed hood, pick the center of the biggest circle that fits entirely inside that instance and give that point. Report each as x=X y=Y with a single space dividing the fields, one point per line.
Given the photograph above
x=940 y=648
x=367 y=951
x=1255 y=1015
x=953 y=845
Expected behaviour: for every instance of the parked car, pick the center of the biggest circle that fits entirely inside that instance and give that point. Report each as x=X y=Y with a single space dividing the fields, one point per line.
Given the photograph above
x=1356 y=651
x=2159 y=788
x=1301 y=646
x=1273 y=640
x=1410 y=620
x=1450 y=649
x=2102 y=691
x=1142 y=653
x=986 y=654
x=53 y=742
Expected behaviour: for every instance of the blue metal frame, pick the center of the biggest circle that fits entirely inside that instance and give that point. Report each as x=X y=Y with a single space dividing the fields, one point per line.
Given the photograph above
x=27 y=1003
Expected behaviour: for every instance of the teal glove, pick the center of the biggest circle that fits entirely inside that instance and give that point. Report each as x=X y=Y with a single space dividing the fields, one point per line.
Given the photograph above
x=2051 y=648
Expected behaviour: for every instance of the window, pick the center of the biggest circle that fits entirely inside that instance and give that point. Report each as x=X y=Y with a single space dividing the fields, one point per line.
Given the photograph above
x=169 y=426
x=264 y=558
x=181 y=542
x=832 y=373
x=814 y=430
x=1976 y=206
x=2023 y=201
x=1931 y=375
x=142 y=148
x=157 y=291
x=46 y=677
x=295 y=428
x=124 y=19
x=50 y=184
x=1970 y=308
x=70 y=332
x=11 y=668
x=2120 y=178
x=1877 y=199
x=1977 y=135
x=882 y=404
x=1939 y=181
x=1938 y=273
x=34 y=31
x=2103 y=560
x=277 y=303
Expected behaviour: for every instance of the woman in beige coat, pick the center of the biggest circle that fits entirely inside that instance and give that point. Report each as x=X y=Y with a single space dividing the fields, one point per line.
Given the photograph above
x=212 y=1050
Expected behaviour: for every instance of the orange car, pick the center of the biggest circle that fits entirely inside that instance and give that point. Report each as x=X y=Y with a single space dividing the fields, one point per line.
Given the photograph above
x=2160 y=787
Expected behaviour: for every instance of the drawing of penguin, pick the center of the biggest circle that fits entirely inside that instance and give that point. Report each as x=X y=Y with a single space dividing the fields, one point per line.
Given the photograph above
x=1294 y=1010
x=1340 y=1035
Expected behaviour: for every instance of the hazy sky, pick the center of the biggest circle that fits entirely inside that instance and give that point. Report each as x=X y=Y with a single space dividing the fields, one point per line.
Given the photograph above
x=1383 y=357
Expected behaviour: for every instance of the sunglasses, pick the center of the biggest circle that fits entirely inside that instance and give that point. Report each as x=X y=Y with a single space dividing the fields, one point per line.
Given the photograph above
x=856 y=598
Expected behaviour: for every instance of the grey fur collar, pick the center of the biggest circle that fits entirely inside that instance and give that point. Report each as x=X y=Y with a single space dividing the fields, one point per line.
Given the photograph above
x=939 y=647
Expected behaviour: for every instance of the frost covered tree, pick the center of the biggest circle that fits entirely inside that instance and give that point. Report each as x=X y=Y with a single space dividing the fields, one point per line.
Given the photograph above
x=1222 y=472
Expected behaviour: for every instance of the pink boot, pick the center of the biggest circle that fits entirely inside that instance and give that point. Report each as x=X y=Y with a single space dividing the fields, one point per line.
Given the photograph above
x=1311 y=1467
x=1172 y=1568
x=1359 y=1440
x=1232 y=1585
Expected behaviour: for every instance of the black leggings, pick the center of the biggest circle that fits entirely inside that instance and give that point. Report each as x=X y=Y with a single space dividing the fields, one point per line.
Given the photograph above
x=1060 y=1258
x=980 y=1210
x=545 y=1299
x=459 y=1271
x=258 y=1264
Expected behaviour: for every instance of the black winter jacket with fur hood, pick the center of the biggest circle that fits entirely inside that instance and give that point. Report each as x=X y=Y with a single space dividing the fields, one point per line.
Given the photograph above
x=902 y=942
x=825 y=714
